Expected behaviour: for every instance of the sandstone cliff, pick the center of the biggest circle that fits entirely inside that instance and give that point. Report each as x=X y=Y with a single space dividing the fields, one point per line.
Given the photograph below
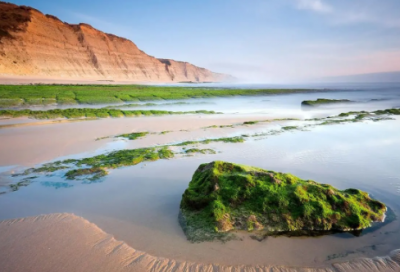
x=34 y=44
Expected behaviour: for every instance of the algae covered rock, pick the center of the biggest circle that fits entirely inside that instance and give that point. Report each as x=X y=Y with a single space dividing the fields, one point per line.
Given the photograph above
x=323 y=101
x=225 y=196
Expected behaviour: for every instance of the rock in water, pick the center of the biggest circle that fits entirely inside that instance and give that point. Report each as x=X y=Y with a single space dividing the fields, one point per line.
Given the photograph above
x=224 y=196
x=323 y=101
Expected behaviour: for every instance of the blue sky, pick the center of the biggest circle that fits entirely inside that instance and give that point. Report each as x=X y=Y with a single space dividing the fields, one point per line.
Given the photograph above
x=255 y=40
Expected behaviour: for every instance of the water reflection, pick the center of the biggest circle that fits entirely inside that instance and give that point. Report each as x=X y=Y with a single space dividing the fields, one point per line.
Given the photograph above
x=56 y=185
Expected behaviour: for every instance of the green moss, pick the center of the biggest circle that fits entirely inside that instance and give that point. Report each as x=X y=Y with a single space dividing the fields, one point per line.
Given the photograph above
x=224 y=196
x=94 y=173
x=237 y=139
x=388 y=112
x=250 y=122
x=290 y=128
x=136 y=105
x=74 y=113
x=16 y=186
x=133 y=136
x=165 y=132
x=323 y=101
x=201 y=151
x=165 y=153
x=221 y=126
x=45 y=168
x=246 y=123
x=126 y=157
x=96 y=166
x=12 y=95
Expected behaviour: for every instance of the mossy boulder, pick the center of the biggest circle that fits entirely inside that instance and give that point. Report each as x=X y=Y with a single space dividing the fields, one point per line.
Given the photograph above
x=224 y=196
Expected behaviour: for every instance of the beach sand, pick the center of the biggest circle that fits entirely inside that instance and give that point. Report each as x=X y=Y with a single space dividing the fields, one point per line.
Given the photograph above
x=66 y=242
x=50 y=139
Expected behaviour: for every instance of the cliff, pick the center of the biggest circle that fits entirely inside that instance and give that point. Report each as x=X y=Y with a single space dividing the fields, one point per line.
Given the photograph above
x=34 y=44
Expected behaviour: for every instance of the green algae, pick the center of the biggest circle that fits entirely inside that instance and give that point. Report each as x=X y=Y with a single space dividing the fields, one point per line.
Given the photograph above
x=250 y=122
x=126 y=157
x=45 y=168
x=94 y=173
x=102 y=138
x=324 y=101
x=16 y=186
x=23 y=183
x=224 y=196
x=94 y=168
x=290 y=128
x=74 y=113
x=237 y=139
x=220 y=126
x=136 y=105
x=133 y=135
x=12 y=95
x=200 y=151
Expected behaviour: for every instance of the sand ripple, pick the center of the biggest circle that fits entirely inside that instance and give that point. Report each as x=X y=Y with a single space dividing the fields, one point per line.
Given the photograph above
x=66 y=242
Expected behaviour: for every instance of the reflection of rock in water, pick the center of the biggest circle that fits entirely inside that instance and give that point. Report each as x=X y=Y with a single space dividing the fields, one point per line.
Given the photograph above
x=74 y=243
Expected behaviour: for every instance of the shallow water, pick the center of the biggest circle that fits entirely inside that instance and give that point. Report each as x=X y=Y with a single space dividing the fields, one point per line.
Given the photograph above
x=140 y=204
x=274 y=105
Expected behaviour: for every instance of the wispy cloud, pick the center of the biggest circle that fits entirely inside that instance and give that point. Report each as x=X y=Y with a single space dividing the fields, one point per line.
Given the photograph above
x=358 y=17
x=354 y=12
x=314 y=5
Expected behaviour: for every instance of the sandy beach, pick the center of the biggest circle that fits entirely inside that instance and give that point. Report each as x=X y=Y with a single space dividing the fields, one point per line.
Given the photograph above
x=66 y=242
x=67 y=137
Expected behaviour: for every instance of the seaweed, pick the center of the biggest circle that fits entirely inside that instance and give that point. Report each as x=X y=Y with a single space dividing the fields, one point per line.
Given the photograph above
x=74 y=113
x=38 y=94
x=323 y=101
x=201 y=151
x=224 y=196
x=133 y=135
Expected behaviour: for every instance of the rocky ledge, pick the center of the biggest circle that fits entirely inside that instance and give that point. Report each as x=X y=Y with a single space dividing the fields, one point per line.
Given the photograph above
x=224 y=196
x=323 y=101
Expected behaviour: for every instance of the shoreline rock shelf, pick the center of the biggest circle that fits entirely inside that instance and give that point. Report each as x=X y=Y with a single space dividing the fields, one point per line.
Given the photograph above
x=324 y=101
x=223 y=197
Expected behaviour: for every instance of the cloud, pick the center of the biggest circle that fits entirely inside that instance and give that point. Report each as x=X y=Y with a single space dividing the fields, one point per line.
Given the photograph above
x=357 y=17
x=314 y=5
x=355 y=12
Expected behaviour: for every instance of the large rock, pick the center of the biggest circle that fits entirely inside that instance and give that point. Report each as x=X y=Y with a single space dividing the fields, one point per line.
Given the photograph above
x=224 y=196
x=34 y=44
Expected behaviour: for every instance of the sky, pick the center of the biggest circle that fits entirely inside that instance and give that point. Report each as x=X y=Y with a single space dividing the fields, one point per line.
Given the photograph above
x=271 y=41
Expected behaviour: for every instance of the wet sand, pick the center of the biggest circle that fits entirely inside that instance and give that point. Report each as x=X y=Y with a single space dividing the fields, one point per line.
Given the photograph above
x=66 y=242
x=31 y=145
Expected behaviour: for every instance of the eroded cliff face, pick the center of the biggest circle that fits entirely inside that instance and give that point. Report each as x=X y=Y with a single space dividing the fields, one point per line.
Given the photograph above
x=34 y=44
